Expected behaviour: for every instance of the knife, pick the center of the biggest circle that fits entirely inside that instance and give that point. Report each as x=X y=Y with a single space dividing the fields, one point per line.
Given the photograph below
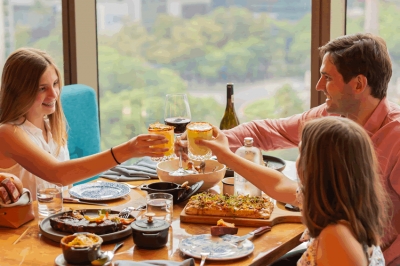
x=71 y=200
x=258 y=231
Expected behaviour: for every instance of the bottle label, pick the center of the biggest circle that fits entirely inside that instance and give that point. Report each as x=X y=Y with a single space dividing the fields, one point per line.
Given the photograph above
x=232 y=100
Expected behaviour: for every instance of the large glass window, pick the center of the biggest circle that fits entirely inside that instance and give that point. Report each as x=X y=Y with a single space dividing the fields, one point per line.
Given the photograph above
x=149 y=48
x=31 y=23
x=380 y=18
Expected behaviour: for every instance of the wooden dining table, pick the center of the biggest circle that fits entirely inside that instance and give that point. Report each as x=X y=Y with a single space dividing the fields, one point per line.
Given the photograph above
x=35 y=249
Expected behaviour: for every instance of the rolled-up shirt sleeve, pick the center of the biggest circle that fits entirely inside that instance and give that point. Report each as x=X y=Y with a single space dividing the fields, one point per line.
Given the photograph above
x=273 y=134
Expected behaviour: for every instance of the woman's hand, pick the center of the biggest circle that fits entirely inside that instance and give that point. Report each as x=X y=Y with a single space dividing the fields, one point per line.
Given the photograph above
x=219 y=145
x=146 y=145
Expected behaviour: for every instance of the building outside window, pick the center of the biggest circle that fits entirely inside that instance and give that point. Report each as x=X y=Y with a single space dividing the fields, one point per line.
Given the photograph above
x=31 y=23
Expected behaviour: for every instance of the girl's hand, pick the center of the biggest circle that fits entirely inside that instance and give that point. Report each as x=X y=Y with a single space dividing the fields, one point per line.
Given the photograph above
x=144 y=145
x=219 y=145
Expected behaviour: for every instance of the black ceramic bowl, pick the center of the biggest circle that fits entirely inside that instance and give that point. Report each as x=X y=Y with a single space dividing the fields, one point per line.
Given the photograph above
x=80 y=254
x=178 y=192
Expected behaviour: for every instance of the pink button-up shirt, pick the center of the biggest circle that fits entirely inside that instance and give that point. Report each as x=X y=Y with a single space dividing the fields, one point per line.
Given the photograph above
x=384 y=129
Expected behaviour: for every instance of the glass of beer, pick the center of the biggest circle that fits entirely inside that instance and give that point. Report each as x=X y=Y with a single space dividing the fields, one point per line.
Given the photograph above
x=168 y=132
x=198 y=130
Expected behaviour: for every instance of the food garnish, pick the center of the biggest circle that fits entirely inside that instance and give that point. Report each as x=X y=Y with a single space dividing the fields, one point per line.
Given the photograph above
x=221 y=222
x=83 y=241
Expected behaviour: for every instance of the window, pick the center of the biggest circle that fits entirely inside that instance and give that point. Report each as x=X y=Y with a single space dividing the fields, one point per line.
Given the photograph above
x=147 y=49
x=31 y=23
x=379 y=17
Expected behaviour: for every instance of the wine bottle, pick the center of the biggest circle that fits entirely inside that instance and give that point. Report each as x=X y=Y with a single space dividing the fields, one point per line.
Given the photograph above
x=229 y=120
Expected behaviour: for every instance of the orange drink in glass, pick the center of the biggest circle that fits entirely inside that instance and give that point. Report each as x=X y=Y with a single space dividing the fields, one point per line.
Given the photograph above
x=198 y=130
x=168 y=132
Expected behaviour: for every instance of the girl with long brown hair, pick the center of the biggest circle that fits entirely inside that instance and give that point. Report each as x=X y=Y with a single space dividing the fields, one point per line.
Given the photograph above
x=344 y=205
x=33 y=133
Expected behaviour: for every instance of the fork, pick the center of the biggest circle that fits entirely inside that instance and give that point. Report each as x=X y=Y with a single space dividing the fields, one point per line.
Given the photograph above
x=127 y=211
x=203 y=257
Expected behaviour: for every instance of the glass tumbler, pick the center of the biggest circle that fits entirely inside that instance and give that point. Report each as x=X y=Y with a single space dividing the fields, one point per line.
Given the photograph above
x=168 y=132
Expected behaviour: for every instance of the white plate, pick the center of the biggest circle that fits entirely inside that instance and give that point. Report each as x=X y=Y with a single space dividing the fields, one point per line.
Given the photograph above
x=218 y=247
x=99 y=191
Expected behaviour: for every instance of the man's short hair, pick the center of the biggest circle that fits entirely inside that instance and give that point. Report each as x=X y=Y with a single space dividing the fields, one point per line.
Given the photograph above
x=364 y=54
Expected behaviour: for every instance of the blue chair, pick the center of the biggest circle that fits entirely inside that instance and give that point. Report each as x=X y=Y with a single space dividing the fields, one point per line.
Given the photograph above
x=79 y=103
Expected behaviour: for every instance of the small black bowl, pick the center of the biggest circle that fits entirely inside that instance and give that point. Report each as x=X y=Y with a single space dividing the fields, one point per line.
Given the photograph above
x=178 y=192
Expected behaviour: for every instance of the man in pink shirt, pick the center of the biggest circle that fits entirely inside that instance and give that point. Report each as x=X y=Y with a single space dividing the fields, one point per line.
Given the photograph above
x=355 y=73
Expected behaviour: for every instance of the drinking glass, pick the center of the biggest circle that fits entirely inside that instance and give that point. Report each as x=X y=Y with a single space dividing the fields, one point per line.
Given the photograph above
x=161 y=204
x=177 y=114
x=49 y=197
x=199 y=130
x=168 y=132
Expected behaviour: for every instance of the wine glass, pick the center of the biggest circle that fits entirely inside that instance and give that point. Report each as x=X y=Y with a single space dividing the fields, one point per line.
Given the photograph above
x=177 y=114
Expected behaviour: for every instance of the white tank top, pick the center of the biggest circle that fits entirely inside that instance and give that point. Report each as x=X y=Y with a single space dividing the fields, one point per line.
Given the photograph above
x=35 y=134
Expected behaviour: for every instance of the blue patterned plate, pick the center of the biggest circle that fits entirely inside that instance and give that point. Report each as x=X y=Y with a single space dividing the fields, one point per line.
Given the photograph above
x=99 y=191
x=218 y=247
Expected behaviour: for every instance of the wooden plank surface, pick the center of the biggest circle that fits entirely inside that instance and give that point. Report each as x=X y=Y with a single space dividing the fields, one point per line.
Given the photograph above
x=279 y=215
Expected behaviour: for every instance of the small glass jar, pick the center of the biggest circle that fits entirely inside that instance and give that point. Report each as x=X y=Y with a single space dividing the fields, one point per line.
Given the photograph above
x=253 y=154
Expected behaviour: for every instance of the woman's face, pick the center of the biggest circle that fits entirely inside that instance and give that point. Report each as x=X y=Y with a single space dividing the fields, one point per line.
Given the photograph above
x=47 y=96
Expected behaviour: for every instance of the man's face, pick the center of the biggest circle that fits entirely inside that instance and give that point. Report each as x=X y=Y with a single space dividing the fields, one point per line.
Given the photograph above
x=340 y=97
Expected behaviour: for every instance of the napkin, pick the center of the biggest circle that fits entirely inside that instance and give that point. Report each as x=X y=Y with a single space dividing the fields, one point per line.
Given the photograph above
x=143 y=169
x=188 y=262
x=16 y=214
x=24 y=199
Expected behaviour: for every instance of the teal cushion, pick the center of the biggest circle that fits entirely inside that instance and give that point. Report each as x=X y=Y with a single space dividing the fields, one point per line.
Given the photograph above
x=79 y=103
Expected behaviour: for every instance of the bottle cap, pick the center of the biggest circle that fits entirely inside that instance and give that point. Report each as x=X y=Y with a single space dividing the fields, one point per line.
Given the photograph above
x=248 y=141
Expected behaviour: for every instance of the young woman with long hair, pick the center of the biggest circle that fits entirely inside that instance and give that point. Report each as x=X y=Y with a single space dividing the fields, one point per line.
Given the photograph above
x=33 y=136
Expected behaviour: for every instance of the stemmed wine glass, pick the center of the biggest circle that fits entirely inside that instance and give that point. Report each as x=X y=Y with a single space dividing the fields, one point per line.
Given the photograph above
x=177 y=114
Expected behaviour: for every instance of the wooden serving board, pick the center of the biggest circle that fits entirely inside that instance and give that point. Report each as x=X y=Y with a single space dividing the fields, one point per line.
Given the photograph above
x=279 y=215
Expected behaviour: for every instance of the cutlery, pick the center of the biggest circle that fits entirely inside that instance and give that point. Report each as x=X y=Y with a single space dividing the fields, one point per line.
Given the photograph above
x=203 y=257
x=71 y=200
x=133 y=186
x=127 y=211
x=258 y=231
x=107 y=256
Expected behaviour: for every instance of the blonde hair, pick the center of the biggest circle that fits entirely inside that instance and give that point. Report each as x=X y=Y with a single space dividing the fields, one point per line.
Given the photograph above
x=340 y=181
x=20 y=85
